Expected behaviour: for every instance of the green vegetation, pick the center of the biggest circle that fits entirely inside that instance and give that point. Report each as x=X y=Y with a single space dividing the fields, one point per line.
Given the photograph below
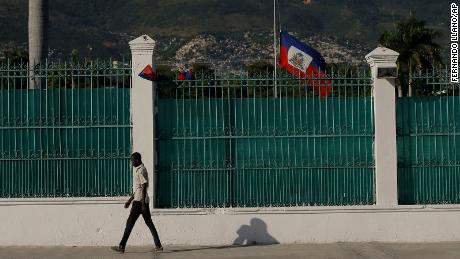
x=74 y=56
x=260 y=67
x=417 y=47
x=203 y=69
x=13 y=54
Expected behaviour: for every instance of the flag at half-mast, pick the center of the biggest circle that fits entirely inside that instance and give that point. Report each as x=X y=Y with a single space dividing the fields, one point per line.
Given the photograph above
x=148 y=73
x=304 y=61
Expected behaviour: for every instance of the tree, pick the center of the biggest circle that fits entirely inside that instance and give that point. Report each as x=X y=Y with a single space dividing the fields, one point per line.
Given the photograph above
x=13 y=54
x=12 y=59
x=417 y=49
x=38 y=35
x=260 y=67
x=165 y=81
x=203 y=70
x=74 y=56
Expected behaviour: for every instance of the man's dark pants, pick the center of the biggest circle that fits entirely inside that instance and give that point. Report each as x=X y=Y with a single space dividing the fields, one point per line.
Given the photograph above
x=136 y=210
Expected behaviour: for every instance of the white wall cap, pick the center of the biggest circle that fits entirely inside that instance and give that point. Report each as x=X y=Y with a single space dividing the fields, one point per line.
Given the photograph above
x=143 y=42
x=382 y=57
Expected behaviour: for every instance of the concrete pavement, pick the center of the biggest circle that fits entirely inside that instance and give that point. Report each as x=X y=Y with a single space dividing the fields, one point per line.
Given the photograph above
x=322 y=251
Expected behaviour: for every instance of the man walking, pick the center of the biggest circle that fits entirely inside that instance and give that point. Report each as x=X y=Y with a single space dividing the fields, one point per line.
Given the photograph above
x=140 y=206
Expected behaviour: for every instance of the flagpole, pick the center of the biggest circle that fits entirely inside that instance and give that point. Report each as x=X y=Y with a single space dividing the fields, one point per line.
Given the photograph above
x=274 y=47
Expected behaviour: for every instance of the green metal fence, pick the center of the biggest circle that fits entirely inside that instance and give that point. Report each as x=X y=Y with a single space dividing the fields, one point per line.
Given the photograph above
x=70 y=138
x=227 y=140
x=429 y=141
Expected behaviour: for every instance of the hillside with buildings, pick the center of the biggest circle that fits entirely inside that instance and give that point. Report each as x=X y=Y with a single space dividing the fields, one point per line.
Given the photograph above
x=216 y=31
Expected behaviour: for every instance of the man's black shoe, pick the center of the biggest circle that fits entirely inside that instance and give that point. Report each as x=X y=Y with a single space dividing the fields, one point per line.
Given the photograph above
x=158 y=249
x=118 y=249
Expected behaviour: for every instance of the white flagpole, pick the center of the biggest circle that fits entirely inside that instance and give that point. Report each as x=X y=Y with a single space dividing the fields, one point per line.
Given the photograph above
x=274 y=46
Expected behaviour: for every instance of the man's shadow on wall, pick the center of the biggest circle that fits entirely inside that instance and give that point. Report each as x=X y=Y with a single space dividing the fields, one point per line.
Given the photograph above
x=255 y=233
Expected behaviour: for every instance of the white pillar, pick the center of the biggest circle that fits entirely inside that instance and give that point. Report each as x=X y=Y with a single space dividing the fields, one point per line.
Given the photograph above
x=143 y=107
x=384 y=60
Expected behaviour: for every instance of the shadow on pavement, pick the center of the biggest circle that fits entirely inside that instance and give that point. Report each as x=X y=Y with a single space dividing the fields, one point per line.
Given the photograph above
x=177 y=250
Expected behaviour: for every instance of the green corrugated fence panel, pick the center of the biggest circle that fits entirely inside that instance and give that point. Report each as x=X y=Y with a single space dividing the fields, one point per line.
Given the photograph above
x=219 y=152
x=65 y=142
x=428 y=149
x=193 y=171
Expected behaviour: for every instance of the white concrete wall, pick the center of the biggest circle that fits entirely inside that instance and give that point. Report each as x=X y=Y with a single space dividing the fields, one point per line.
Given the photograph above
x=90 y=223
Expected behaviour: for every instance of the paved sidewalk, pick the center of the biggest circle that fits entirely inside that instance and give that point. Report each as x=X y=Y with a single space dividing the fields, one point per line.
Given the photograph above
x=326 y=251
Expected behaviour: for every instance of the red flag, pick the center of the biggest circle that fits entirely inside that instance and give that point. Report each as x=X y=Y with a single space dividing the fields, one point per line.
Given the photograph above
x=181 y=76
x=148 y=73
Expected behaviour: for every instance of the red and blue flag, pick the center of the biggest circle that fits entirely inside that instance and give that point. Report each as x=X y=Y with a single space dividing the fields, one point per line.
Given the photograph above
x=304 y=61
x=185 y=75
x=148 y=73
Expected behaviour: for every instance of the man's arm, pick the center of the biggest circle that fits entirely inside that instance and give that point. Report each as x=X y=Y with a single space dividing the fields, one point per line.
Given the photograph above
x=131 y=198
x=144 y=192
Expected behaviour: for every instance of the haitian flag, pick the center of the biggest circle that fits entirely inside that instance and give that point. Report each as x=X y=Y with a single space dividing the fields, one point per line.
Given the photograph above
x=185 y=75
x=148 y=73
x=304 y=61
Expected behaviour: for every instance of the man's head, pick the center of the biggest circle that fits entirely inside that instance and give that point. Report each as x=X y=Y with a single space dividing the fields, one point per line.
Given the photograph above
x=136 y=159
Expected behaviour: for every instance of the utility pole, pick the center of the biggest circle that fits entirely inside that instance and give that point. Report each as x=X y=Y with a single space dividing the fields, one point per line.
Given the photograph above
x=274 y=49
x=38 y=38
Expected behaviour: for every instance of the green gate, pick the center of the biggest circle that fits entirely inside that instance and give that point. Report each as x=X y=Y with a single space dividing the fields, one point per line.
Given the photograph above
x=232 y=140
x=429 y=141
x=71 y=139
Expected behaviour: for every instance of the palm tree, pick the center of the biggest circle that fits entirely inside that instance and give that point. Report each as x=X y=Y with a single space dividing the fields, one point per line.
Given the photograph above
x=417 y=50
x=38 y=36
